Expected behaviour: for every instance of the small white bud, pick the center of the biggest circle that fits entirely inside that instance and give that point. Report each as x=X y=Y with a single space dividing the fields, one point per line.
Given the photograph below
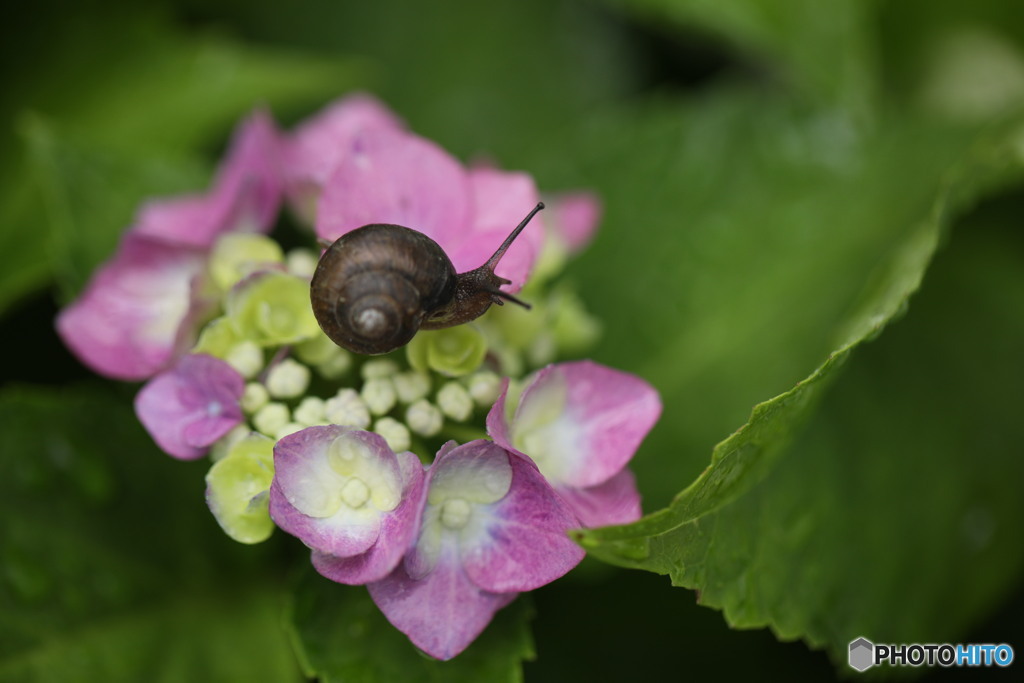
x=379 y=395
x=271 y=417
x=222 y=446
x=543 y=349
x=288 y=379
x=346 y=408
x=379 y=368
x=288 y=428
x=484 y=387
x=455 y=401
x=394 y=432
x=310 y=411
x=424 y=418
x=336 y=365
x=301 y=262
x=411 y=386
x=254 y=397
x=247 y=358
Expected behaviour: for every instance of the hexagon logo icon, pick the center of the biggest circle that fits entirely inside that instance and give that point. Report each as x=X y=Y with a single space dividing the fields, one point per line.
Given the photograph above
x=862 y=654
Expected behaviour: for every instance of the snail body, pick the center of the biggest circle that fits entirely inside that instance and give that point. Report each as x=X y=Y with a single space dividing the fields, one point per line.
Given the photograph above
x=376 y=286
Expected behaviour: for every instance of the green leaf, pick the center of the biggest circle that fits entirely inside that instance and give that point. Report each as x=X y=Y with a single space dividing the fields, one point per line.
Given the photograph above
x=823 y=49
x=738 y=272
x=90 y=195
x=342 y=636
x=155 y=98
x=795 y=551
x=114 y=570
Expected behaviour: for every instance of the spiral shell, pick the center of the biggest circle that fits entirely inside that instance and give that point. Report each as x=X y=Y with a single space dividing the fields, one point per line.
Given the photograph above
x=374 y=286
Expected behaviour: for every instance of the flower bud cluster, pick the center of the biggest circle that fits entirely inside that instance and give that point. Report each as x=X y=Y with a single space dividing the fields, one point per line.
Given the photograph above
x=359 y=457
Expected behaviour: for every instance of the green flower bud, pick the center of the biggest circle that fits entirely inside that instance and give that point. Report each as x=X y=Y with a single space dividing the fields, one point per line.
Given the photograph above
x=301 y=262
x=254 y=397
x=484 y=387
x=237 y=489
x=379 y=368
x=217 y=338
x=411 y=386
x=236 y=255
x=379 y=395
x=311 y=411
x=394 y=432
x=272 y=308
x=246 y=357
x=575 y=329
x=289 y=428
x=454 y=351
x=271 y=418
x=288 y=379
x=347 y=408
x=424 y=418
x=455 y=401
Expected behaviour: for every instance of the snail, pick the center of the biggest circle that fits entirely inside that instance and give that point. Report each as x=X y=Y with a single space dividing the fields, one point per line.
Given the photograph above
x=375 y=286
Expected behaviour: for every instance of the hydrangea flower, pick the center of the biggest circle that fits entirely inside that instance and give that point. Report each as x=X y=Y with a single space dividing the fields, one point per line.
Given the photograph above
x=390 y=176
x=313 y=439
x=492 y=528
x=349 y=497
x=316 y=147
x=581 y=423
x=140 y=310
x=189 y=407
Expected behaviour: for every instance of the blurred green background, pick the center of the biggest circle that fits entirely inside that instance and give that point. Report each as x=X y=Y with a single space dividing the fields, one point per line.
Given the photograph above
x=759 y=162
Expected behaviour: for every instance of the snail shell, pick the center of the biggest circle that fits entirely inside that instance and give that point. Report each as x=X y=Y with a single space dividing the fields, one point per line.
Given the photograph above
x=373 y=287
x=377 y=285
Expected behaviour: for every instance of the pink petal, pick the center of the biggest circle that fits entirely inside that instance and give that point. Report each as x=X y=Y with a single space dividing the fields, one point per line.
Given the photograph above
x=387 y=176
x=303 y=473
x=497 y=423
x=525 y=544
x=605 y=416
x=137 y=311
x=501 y=200
x=442 y=613
x=192 y=405
x=397 y=532
x=245 y=197
x=616 y=501
x=342 y=536
x=316 y=148
x=574 y=217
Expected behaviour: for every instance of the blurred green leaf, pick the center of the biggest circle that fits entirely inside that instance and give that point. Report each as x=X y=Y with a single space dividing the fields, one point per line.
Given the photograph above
x=788 y=553
x=342 y=636
x=90 y=195
x=739 y=234
x=113 y=568
x=117 y=123
x=821 y=48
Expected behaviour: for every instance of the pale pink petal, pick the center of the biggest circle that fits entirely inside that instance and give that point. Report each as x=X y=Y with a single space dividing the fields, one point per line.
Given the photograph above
x=497 y=422
x=312 y=152
x=442 y=613
x=397 y=532
x=388 y=176
x=581 y=422
x=245 y=196
x=521 y=542
x=135 y=314
x=574 y=217
x=312 y=497
x=616 y=501
x=192 y=405
x=501 y=200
